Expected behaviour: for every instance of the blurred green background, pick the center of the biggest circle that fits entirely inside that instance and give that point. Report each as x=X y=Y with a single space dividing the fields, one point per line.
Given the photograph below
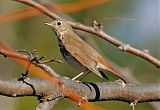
x=134 y=22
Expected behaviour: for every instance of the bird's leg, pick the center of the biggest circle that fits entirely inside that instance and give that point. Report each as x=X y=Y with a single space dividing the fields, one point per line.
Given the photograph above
x=78 y=76
x=87 y=73
x=120 y=81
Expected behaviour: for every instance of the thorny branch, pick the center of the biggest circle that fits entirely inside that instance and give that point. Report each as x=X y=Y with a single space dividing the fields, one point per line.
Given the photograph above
x=100 y=33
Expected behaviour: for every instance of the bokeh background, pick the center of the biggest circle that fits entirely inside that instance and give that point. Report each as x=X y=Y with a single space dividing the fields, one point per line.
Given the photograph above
x=134 y=22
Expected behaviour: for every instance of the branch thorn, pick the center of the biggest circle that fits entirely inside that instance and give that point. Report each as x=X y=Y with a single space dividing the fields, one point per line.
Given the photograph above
x=124 y=47
x=133 y=104
x=121 y=82
x=146 y=51
x=98 y=26
x=14 y=95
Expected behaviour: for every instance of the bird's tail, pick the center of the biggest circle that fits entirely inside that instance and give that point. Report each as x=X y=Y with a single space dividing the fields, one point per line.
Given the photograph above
x=104 y=65
x=117 y=74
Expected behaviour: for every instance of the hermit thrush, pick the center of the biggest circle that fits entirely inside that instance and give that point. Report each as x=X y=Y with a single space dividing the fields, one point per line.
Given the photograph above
x=77 y=52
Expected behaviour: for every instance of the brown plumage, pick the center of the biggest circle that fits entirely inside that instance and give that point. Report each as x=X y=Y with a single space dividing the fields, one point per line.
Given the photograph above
x=77 y=52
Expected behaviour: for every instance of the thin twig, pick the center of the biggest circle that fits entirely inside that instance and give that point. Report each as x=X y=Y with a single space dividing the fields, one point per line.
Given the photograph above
x=14 y=55
x=133 y=104
x=99 y=33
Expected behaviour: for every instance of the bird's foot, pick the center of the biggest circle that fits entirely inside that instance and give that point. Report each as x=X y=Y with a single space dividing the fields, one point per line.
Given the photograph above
x=121 y=82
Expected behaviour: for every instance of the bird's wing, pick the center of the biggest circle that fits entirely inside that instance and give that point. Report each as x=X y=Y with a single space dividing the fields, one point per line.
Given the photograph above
x=81 y=51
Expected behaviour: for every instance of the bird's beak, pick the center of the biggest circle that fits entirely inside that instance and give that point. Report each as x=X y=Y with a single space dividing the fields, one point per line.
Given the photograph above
x=48 y=24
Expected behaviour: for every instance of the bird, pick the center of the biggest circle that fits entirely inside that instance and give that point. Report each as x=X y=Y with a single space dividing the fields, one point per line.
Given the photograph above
x=79 y=54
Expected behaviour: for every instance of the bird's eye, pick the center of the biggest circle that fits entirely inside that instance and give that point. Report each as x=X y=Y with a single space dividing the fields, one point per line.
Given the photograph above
x=59 y=23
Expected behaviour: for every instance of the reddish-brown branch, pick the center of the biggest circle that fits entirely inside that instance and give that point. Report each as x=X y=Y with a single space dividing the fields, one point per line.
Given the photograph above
x=13 y=54
x=40 y=7
x=71 y=7
x=45 y=73
x=99 y=33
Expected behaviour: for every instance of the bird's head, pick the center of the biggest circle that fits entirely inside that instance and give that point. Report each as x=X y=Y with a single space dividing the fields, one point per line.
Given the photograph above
x=59 y=26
